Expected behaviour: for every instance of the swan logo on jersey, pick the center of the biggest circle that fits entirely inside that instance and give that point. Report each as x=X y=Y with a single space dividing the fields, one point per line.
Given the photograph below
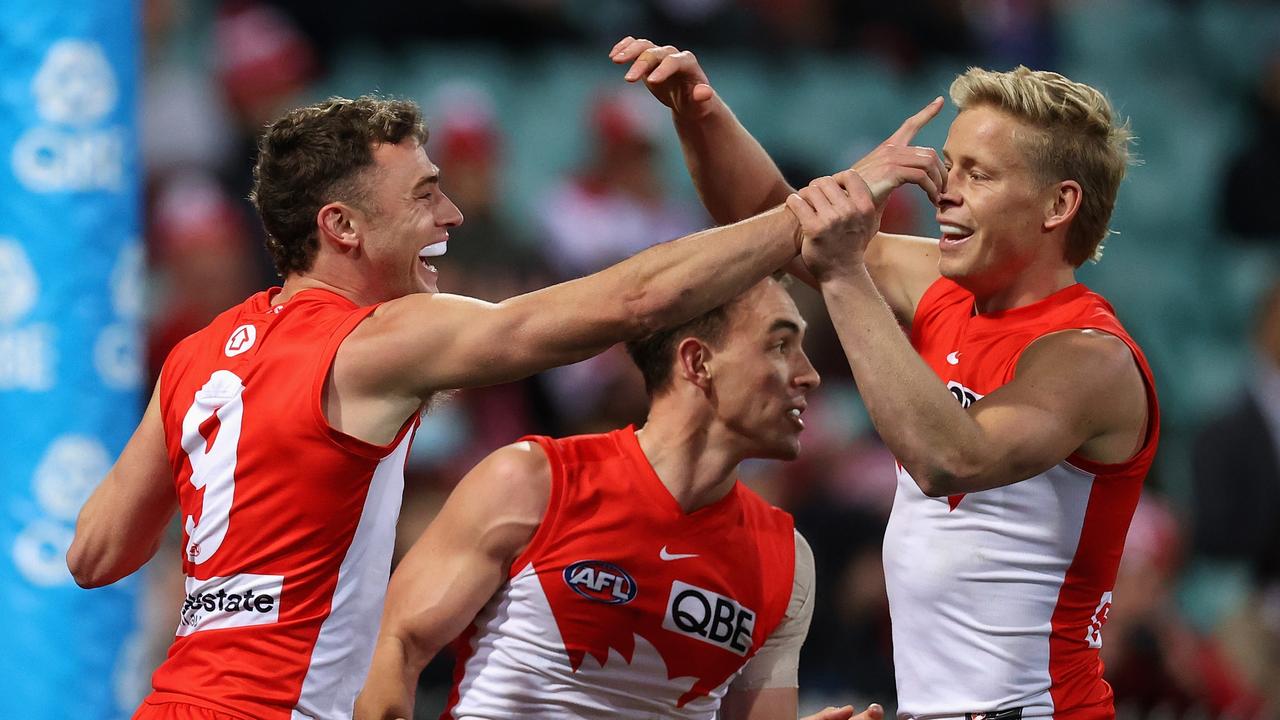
x=233 y=601
x=964 y=395
x=242 y=338
x=1094 y=633
x=600 y=581
x=710 y=617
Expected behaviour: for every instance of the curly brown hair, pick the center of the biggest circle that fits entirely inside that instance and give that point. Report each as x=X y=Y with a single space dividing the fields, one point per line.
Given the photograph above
x=315 y=155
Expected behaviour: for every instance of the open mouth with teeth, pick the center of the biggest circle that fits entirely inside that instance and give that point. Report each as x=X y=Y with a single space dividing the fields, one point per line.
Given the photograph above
x=430 y=251
x=954 y=234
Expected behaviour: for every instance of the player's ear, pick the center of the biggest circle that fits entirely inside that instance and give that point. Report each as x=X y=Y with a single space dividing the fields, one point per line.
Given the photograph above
x=693 y=362
x=1063 y=204
x=339 y=225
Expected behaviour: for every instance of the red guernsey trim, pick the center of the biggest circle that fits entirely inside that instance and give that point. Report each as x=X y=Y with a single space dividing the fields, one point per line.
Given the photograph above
x=1075 y=669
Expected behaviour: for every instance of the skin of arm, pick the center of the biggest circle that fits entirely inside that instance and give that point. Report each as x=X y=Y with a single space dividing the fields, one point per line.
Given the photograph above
x=1073 y=391
x=120 y=526
x=449 y=574
x=736 y=178
x=414 y=346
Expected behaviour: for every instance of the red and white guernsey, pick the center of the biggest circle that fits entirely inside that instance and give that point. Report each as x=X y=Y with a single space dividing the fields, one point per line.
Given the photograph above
x=998 y=597
x=623 y=605
x=288 y=523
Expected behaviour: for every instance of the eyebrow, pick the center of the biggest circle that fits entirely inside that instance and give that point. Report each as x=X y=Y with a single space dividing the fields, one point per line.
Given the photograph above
x=784 y=325
x=432 y=179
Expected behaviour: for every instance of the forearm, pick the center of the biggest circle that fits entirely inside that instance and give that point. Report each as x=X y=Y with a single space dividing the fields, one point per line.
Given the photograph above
x=114 y=539
x=917 y=418
x=393 y=676
x=734 y=176
x=669 y=283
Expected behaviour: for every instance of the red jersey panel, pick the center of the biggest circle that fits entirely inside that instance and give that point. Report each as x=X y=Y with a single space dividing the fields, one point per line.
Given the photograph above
x=998 y=597
x=288 y=523
x=623 y=605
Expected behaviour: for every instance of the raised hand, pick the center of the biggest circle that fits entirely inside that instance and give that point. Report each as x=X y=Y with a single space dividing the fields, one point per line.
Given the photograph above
x=671 y=74
x=896 y=161
x=838 y=217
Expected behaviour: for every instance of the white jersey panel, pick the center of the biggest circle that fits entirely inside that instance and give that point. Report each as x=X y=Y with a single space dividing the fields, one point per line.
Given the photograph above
x=344 y=649
x=972 y=592
x=519 y=669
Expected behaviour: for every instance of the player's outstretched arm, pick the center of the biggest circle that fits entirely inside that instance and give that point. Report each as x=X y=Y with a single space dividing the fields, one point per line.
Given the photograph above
x=121 y=524
x=736 y=178
x=732 y=173
x=414 y=346
x=449 y=574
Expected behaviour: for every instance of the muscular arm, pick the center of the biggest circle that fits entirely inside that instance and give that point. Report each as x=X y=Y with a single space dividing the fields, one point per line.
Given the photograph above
x=1073 y=391
x=449 y=574
x=121 y=524
x=736 y=178
x=414 y=346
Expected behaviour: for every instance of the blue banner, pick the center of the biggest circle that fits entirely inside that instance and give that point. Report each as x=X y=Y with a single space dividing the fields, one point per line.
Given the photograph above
x=70 y=360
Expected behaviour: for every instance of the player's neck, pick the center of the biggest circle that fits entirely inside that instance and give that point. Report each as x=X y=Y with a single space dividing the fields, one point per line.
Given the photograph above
x=296 y=283
x=1031 y=285
x=695 y=468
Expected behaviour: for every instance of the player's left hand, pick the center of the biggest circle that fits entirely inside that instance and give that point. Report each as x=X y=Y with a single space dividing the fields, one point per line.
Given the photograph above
x=838 y=217
x=873 y=712
x=673 y=75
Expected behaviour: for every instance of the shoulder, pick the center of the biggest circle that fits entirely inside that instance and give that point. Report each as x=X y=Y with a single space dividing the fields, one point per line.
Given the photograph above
x=515 y=466
x=1091 y=370
x=1082 y=352
x=503 y=499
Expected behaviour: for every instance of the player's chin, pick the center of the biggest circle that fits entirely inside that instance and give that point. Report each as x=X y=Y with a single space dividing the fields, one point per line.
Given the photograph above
x=785 y=448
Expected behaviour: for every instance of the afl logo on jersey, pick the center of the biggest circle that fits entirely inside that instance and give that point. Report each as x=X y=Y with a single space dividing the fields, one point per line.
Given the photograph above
x=600 y=581
x=242 y=338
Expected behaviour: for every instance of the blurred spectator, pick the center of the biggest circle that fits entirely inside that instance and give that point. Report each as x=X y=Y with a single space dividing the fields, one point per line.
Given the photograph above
x=263 y=60
x=1250 y=183
x=1251 y=636
x=1236 y=458
x=617 y=204
x=1158 y=665
x=489 y=257
x=203 y=254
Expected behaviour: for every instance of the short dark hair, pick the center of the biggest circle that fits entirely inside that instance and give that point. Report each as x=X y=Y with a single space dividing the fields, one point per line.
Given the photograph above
x=314 y=155
x=655 y=354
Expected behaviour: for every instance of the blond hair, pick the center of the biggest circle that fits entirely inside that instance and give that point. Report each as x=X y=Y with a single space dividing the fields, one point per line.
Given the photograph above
x=1079 y=139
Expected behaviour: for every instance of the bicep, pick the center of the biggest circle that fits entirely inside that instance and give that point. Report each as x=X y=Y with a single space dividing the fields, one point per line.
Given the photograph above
x=422 y=344
x=465 y=554
x=1071 y=388
x=902 y=267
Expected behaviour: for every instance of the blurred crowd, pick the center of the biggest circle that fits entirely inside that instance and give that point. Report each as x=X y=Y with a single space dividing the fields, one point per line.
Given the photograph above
x=1196 y=631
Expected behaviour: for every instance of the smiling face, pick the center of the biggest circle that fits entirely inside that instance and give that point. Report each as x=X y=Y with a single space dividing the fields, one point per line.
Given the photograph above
x=760 y=374
x=406 y=219
x=992 y=215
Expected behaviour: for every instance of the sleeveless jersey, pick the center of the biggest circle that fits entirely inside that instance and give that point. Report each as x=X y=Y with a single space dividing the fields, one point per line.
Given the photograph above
x=998 y=597
x=288 y=524
x=623 y=605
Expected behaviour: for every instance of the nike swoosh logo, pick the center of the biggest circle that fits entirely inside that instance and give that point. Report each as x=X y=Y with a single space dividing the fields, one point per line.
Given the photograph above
x=674 y=556
x=953 y=358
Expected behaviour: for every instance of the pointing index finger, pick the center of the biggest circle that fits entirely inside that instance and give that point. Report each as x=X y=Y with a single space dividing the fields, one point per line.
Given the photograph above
x=913 y=124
